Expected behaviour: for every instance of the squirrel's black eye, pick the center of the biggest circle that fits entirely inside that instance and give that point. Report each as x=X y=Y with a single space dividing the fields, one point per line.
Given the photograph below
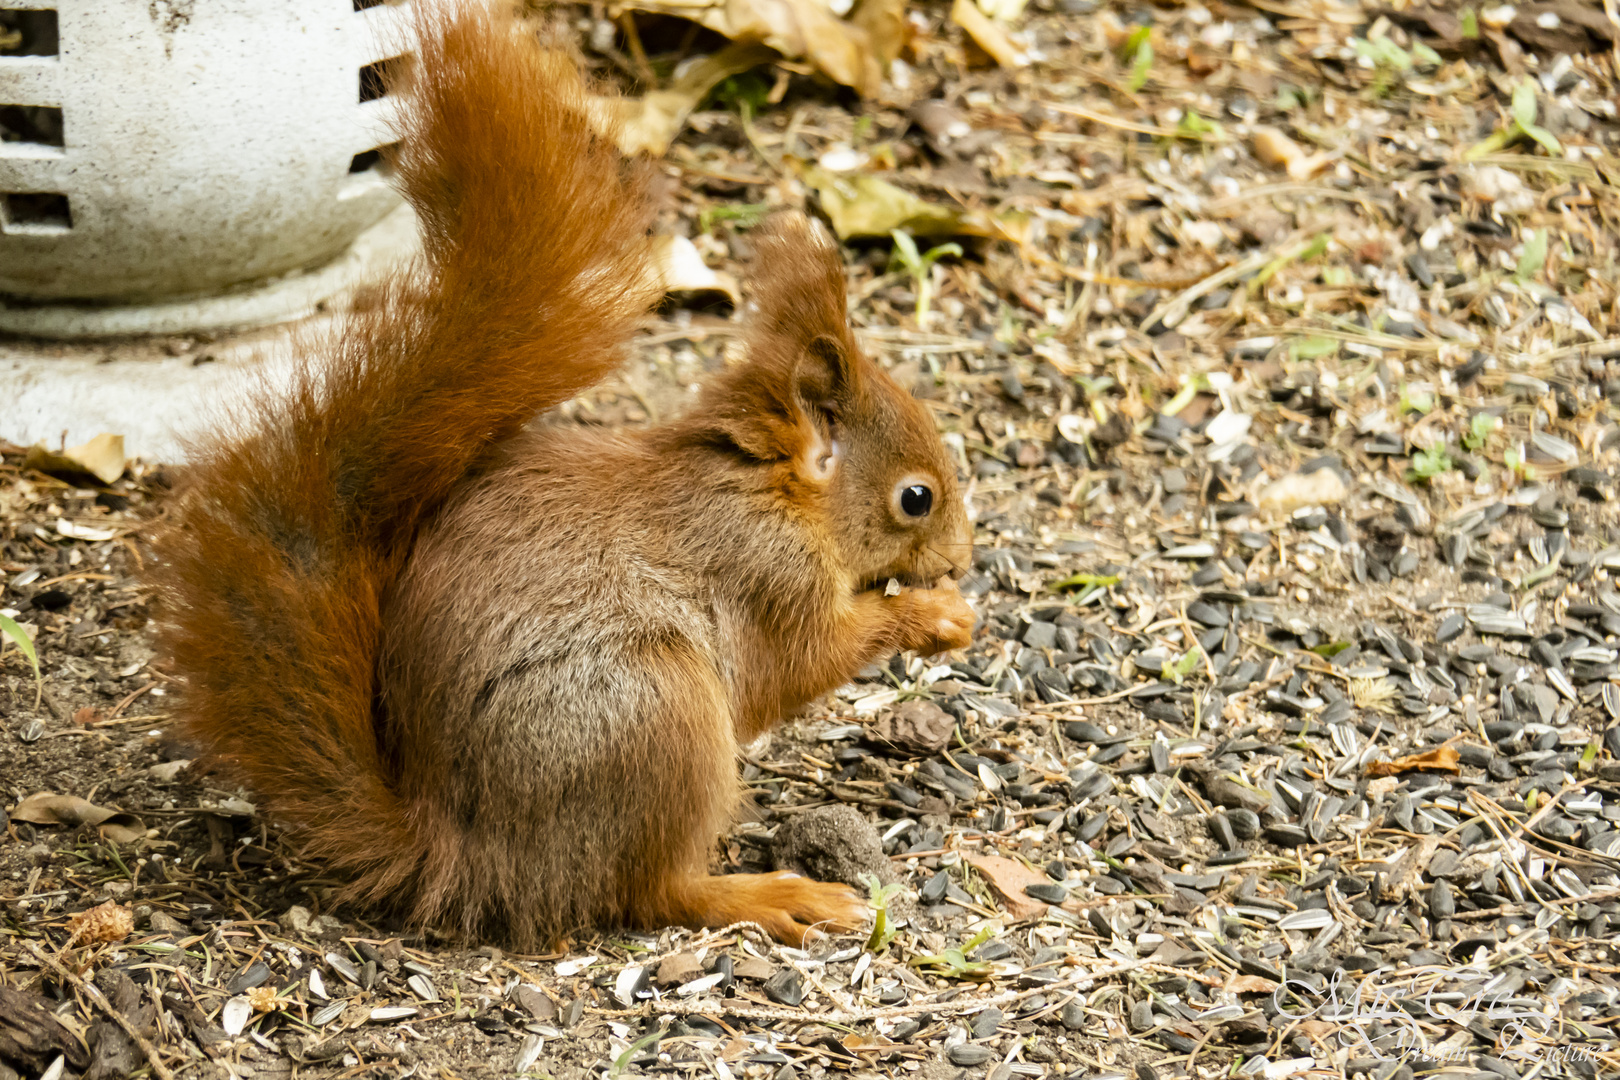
x=916 y=500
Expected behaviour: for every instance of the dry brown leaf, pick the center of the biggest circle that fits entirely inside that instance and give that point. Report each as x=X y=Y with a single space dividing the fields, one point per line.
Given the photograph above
x=1008 y=878
x=122 y=828
x=859 y=205
x=682 y=269
x=1443 y=758
x=102 y=457
x=797 y=29
x=753 y=967
x=886 y=27
x=917 y=727
x=649 y=124
x=101 y=924
x=988 y=35
x=538 y=1005
x=842 y=50
x=43 y=808
x=862 y=205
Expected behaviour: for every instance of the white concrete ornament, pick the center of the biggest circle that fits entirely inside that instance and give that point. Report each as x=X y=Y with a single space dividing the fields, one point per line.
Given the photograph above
x=171 y=165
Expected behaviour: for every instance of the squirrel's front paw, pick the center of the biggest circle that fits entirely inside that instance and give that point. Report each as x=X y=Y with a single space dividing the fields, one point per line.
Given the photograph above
x=943 y=620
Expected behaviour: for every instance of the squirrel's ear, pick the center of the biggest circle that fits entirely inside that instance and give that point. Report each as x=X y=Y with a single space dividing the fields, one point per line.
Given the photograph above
x=802 y=367
x=784 y=405
x=753 y=409
x=798 y=286
x=825 y=377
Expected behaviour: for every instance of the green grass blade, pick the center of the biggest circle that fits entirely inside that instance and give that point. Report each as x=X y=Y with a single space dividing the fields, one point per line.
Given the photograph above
x=25 y=645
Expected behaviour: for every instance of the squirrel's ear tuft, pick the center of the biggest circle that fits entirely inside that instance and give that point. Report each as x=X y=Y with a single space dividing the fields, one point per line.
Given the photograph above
x=799 y=295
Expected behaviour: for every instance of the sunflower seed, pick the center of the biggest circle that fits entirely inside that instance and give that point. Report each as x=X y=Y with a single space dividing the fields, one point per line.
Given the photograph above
x=1308 y=919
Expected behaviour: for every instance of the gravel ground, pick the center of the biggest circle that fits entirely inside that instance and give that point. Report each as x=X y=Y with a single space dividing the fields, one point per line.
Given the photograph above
x=1284 y=368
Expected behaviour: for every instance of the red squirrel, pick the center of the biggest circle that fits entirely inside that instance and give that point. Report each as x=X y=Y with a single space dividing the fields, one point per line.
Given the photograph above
x=497 y=674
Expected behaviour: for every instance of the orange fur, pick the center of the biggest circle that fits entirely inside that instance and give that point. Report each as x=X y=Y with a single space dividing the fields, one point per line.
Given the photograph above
x=498 y=677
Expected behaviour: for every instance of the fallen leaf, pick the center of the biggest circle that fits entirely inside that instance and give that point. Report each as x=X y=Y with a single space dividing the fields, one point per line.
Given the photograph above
x=1008 y=878
x=988 y=35
x=917 y=727
x=886 y=27
x=538 y=1005
x=841 y=50
x=798 y=29
x=649 y=124
x=122 y=828
x=102 y=457
x=861 y=205
x=103 y=923
x=43 y=808
x=681 y=269
x=1443 y=758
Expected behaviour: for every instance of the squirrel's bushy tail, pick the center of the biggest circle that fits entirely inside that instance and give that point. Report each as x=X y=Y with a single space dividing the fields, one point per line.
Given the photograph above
x=291 y=530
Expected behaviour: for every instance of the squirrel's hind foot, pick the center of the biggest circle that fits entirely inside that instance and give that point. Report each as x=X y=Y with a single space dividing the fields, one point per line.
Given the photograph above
x=794 y=908
x=789 y=907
